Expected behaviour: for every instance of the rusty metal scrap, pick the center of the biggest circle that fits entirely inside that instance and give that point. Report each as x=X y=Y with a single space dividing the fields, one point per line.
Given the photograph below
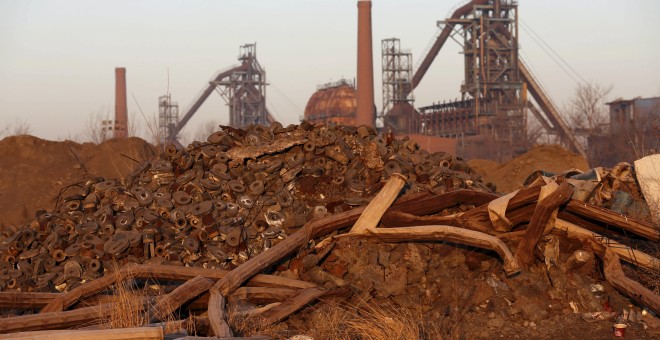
x=216 y=203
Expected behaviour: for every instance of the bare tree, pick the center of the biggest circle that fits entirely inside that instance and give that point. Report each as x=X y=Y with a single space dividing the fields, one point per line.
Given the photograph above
x=538 y=135
x=134 y=128
x=21 y=127
x=206 y=129
x=18 y=128
x=4 y=130
x=535 y=132
x=586 y=112
x=98 y=128
x=154 y=133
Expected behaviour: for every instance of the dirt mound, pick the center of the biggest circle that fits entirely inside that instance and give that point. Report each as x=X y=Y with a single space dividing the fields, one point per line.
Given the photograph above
x=510 y=176
x=34 y=170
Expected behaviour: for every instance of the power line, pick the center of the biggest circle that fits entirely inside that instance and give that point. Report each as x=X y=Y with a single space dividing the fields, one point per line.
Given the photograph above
x=543 y=43
x=287 y=98
x=554 y=59
x=274 y=111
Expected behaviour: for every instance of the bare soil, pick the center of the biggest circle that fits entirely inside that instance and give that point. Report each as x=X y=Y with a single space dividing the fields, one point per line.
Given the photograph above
x=34 y=170
x=511 y=175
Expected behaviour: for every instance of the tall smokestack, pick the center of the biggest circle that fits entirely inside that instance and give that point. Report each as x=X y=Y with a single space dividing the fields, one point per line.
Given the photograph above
x=121 y=112
x=365 y=67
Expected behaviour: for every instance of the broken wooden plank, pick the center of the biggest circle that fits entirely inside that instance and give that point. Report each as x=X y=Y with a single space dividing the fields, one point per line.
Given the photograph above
x=615 y=276
x=26 y=300
x=256 y=311
x=480 y=218
x=218 y=315
x=447 y=233
x=180 y=295
x=146 y=333
x=262 y=295
x=379 y=204
x=590 y=224
x=58 y=320
x=430 y=203
x=626 y=253
x=542 y=220
x=397 y=219
x=255 y=337
x=163 y=272
x=290 y=306
x=256 y=295
x=610 y=217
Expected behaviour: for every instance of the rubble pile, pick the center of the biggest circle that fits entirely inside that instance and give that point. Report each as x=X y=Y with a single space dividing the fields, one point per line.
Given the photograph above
x=216 y=204
x=267 y=220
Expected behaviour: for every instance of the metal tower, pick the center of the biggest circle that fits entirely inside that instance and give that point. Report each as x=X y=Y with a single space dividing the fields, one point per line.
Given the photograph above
x=168 y=116
x=244 y=90
x=492 y=78
x=243 y=87
x=397 y=74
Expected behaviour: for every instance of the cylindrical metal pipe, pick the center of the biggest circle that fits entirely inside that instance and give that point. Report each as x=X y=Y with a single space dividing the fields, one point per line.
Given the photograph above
x=120 y=129
x=365 y=114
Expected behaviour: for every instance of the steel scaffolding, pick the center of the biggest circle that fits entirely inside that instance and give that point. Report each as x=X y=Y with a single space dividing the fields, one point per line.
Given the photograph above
x=168 y=116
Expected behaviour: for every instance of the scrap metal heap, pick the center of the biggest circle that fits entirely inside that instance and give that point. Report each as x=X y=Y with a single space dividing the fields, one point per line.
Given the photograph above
x=219 y=203
x=260 y=215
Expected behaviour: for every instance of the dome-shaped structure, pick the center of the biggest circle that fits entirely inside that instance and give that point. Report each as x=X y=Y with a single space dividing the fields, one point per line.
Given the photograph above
x=335 y=102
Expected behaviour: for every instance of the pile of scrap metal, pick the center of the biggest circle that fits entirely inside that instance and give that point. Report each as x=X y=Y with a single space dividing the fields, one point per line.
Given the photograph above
x=217 y=216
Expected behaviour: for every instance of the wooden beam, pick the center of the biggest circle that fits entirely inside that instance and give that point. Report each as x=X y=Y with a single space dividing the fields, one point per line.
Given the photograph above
x=610 y=217
x=626 y=253
x=58 y=320
x=218 y=315
x=447 y=233
x=379 y=204
x=180 y=295
x=263 y=295
x=146 y=333
x=543 y=213
x=163 y=272
x=290 y=306
x=26 y=300
x=427 y=203
x=615 y=276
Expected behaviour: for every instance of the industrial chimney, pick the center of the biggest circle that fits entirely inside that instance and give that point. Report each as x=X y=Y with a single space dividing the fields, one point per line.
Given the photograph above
x=365 y=67
x=121 y=112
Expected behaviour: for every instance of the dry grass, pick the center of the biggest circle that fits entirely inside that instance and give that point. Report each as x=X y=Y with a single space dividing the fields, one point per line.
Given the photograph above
x=130 y=306
x=371 y=320
x=253 y=324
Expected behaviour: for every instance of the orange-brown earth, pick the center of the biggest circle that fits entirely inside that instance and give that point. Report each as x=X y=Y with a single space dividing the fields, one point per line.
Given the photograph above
x=511 y=175
x=34 y=170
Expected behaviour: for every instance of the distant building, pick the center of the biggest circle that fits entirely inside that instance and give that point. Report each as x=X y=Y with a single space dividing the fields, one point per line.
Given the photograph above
x=634 y=132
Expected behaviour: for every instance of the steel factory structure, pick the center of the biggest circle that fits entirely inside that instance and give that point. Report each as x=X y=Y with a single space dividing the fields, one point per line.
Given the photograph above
x=489 y=121
x=491 y=115
x=243 y=87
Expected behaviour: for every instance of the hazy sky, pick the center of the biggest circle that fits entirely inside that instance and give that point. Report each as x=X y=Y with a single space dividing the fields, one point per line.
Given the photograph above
x=57 y=58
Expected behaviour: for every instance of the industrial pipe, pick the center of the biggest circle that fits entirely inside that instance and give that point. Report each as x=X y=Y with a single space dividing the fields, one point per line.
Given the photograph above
x=120 y=129
x=365 y=114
